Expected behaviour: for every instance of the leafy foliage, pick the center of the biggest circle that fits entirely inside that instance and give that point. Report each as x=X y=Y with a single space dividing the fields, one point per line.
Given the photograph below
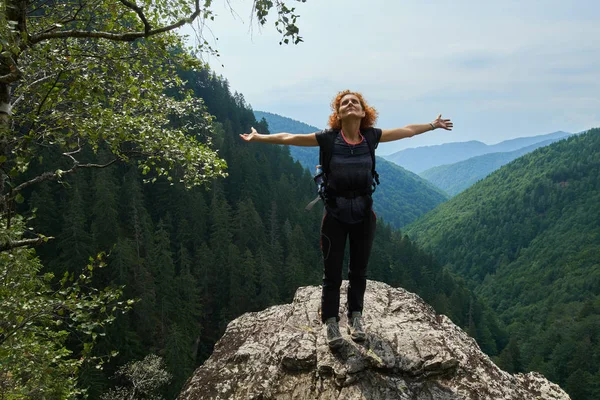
x=142 y=380
x=38 y=319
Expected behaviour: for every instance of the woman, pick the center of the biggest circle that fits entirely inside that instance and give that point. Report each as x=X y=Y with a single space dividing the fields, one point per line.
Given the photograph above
x=348 y=212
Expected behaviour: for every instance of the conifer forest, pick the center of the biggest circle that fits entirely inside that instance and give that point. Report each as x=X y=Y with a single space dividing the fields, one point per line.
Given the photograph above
x=135 y=224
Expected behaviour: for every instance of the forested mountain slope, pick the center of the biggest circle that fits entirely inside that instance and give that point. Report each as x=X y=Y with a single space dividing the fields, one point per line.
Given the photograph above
x=454 y=178
x=400 y=199
x=195 y=259
x=278 y=123
x=420 y=159
x=528 y=239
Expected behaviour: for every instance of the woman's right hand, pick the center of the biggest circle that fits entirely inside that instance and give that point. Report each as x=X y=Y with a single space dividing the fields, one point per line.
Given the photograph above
x=249 y=137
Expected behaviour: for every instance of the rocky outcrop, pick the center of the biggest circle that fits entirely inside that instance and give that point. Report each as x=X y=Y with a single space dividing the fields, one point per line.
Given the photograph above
x=410 y=353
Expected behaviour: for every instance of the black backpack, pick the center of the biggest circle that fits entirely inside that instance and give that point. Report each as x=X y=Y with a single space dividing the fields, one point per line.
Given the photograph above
x=325 y=154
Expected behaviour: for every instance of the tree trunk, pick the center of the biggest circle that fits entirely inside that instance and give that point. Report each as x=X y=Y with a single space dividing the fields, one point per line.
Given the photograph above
x=16 y=10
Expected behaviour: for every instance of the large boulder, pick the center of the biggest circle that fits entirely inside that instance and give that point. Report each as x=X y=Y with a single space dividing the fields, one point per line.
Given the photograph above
x=410 y=353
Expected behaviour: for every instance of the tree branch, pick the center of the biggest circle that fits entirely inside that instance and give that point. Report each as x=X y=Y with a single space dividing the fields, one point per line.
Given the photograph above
x=21 y=96
x=48 y=94
x=121 y=37
x=66 y=20
x=4 y=338
x=46 y=176
x=15 y=73
x=140 y=13
x=23 y=242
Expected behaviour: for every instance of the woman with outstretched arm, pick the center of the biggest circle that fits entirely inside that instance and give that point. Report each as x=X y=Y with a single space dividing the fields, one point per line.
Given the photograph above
x=348 y=148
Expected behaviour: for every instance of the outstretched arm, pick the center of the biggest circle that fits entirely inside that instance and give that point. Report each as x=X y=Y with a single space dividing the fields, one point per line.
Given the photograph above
x=388 y=135
x=308 y=139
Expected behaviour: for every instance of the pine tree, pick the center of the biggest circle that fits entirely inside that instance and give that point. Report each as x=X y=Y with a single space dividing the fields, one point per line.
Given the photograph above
x=248 y=230
x=268 y=293
x=220 y=241
x=162 y=267
x=105 y=218
x=510 y=358
x=75 y=242
x=249 y=281
x=237 y=300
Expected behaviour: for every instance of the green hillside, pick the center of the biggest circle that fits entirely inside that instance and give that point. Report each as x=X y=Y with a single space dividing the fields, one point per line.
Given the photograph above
x=402 y=196
x=307 y=156
x=528 y=239
x=454 y=178
x=278 y=123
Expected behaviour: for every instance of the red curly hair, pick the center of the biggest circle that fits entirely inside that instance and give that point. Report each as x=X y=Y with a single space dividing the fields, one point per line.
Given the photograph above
x=370 y=113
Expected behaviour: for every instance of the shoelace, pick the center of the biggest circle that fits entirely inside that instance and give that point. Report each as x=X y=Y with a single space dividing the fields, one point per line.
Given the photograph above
x=357 y=324
x=333 y=330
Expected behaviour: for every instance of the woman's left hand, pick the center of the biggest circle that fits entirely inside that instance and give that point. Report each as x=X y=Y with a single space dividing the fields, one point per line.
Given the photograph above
x=442 y=123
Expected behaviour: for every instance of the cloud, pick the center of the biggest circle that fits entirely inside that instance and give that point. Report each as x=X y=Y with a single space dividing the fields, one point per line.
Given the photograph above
x=500 y=69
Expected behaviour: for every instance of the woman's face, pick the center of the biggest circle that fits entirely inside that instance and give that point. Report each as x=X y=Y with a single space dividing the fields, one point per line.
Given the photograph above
x=350 y=107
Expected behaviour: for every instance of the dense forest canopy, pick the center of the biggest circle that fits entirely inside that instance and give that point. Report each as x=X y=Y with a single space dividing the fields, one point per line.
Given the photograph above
x=527 y=239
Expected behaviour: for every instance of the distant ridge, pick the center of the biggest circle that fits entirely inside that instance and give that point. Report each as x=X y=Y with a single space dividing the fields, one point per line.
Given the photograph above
x=420 y=159
x=278 y=123
x=454 y=178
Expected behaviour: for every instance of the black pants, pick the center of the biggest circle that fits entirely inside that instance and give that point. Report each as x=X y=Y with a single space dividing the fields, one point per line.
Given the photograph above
x=333 y=242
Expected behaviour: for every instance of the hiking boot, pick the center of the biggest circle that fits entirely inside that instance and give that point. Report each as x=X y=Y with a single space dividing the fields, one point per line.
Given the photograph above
x=334 y=337
x=355 y=329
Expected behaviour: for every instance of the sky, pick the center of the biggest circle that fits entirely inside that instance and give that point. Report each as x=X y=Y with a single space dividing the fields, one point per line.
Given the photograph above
x=498 y=69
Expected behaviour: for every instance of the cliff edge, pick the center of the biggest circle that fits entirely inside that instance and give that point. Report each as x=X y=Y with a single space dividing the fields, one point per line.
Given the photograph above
x=410 y=353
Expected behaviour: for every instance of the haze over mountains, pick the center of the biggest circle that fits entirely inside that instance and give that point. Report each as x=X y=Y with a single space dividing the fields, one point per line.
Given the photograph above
x=454 y=178
x=420 y=159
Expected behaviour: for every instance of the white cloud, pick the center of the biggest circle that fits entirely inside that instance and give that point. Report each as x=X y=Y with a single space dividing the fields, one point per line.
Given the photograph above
x=499 y=69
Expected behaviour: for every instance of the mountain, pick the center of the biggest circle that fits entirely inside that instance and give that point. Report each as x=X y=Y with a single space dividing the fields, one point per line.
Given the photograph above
x=454 y=178
x=192 y=260
x=307 y=156
x=527 y=238
x=278 y=123
x=420 y=159
x=400 y=199
x=410 y=353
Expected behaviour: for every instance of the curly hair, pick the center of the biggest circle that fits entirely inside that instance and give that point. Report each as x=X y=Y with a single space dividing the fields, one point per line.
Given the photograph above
x=370 y=113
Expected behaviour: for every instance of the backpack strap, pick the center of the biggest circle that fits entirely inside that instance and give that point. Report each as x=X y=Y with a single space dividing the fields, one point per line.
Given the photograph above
x=326 y=149
x=326 y=139
x=370 y=135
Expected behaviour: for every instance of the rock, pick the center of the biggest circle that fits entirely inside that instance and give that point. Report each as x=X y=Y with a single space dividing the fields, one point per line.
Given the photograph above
x=410 y=353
